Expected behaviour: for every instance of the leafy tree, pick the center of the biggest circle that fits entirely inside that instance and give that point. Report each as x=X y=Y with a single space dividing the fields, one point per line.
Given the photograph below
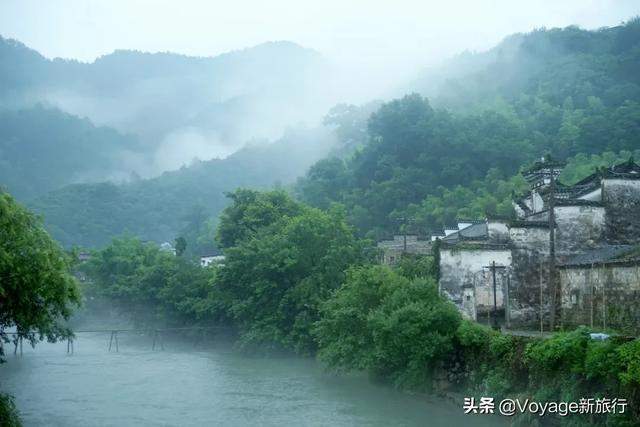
x=251 y=210
x=180 y=245
x=37 y=293
x=285 y=259
x=9 y=416
x=149 y=285
x=397 y=329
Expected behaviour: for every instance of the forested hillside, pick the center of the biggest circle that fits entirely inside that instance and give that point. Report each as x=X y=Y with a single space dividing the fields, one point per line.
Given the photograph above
x=207 y=106
x=568 y=92
x=101 y=126
x=43 y=149
x=182 y=202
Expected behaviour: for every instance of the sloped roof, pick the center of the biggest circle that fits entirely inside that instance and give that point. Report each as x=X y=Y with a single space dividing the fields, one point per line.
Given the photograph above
x=626 y=170
x=469 y=221
x=473 y=232
x=599 y=255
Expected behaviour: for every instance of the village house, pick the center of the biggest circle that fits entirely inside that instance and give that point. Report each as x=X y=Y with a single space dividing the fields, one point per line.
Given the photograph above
x=503 y=266
x=207 y=260
x=391 y=251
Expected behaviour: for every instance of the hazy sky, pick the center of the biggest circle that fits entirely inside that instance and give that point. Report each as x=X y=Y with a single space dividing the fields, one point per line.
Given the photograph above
x=371 y=33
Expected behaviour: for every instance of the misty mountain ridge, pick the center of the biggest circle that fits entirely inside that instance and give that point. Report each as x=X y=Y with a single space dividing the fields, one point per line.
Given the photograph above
x=159 y=208
x=203 y=107
x=543 y=62
x=545 y=90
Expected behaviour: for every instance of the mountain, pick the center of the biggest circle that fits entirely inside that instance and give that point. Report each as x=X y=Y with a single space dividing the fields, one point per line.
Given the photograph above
x=43 y=149
x=550 y=64
x=569 y=92
x=207 y=106
x=164 y=207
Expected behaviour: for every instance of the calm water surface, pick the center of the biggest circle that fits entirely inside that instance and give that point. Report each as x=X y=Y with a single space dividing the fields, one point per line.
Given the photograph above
x=182 y=386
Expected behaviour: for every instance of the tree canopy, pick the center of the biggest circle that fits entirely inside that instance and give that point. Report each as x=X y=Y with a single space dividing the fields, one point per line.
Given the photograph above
x=37 y=292
x=282 y=260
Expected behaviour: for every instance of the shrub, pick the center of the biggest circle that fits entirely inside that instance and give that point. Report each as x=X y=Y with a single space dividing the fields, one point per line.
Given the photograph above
x=8 y=412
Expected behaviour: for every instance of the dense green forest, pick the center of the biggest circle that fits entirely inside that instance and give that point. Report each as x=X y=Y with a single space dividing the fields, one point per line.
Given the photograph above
x=571 y=93
x=131 y=114
x=43 y=149
x=176 y=202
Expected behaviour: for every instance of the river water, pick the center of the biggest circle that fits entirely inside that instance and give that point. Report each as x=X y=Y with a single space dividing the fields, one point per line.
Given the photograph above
x=186 y=386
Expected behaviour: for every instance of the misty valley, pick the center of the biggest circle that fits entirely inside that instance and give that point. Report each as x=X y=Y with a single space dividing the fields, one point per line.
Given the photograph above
x=268 y=236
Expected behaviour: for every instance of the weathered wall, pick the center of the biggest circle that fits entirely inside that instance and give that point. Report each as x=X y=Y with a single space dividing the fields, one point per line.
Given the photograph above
x=536 y=204
x=579 y=227
x=529 y=273
x=539 y=216
x=498 y=231
x=531 y=238
x=463 y=268
x=602 y=296
x=622 y=201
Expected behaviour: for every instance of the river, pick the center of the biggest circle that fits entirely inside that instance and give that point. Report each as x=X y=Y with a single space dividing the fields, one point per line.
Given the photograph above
x=183 y=386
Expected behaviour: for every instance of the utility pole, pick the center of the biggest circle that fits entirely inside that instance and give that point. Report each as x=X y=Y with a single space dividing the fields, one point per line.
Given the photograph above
x=507 y=306
x=552 y=246
x=537 y=176
x=541 y=301
x=493 y=267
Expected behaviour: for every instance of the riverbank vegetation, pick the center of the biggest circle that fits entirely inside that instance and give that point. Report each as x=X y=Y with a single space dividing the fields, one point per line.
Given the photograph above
x=9 y=416
x=37 y=292
x=297 y=279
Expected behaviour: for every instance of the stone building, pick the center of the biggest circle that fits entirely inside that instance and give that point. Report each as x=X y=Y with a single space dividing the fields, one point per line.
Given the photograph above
x=391 y=251
x=601 y=288
x=597 y=218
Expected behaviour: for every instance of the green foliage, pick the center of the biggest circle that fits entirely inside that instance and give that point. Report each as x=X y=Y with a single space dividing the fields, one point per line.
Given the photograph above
x=9 y=416
x=37 y=293
x=416 y=266
x=629 y=356
x=489 y=363
x=344 y=334
x=180 y=245
x=569 y=92
x=564 y=352
x=582 y=165
x=413 y=331
x=150 y=285
x=182 y=202
x=199 y=232
x=565 y=367
x=282 y=260
x=43 y=149
x=250 y=211
x=399 y=330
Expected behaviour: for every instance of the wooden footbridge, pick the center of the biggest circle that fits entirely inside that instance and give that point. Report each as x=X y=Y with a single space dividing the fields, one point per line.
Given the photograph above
x=114 y=345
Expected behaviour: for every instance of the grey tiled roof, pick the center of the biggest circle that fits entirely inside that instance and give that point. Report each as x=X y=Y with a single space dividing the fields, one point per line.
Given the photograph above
x=597 y=255
x=473 y=232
